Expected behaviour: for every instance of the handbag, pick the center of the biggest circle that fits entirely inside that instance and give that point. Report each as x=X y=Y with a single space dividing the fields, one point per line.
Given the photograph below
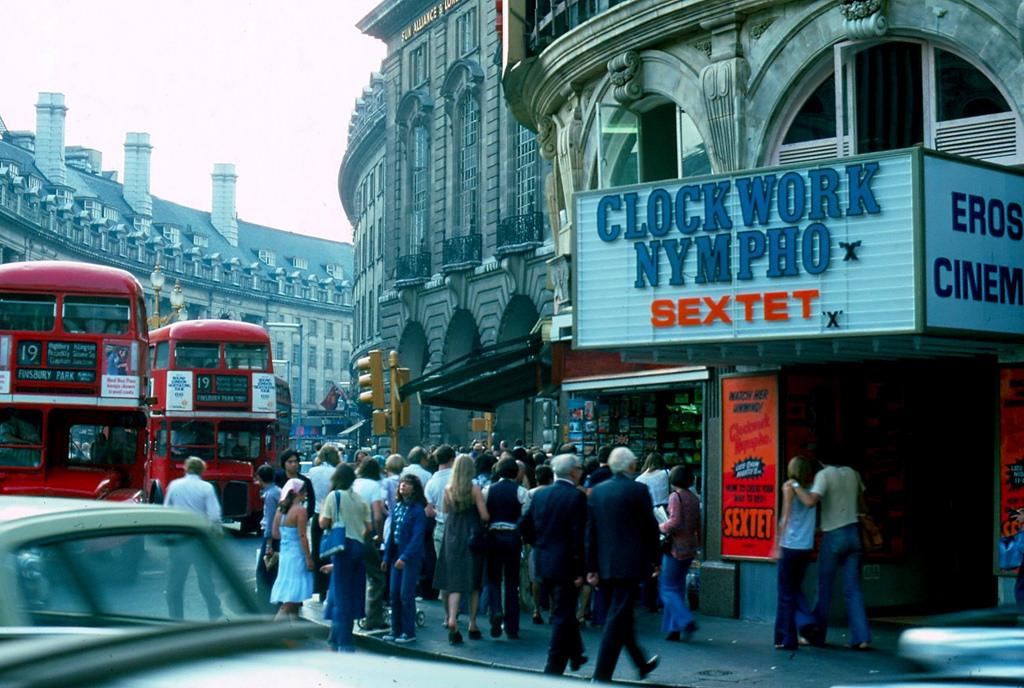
x=270 y=560
x=870 y=536
x=334 y=539
x=1011 y=551
x=480 y=541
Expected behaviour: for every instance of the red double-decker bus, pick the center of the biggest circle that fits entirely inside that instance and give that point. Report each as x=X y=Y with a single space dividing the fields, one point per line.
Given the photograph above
x=214 y=396
x=73 y=374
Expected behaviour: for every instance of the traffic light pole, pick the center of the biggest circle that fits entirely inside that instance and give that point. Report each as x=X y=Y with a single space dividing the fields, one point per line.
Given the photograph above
x=387 y=418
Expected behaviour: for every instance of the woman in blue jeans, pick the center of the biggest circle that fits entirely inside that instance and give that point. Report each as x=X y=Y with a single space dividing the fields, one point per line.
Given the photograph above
x=839 y=491
x=346 y=593
x=683 y=525
x=404 y=553
x=794 y=619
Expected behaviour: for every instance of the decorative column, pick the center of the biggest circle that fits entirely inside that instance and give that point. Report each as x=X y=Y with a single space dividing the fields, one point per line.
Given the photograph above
x=724 y=87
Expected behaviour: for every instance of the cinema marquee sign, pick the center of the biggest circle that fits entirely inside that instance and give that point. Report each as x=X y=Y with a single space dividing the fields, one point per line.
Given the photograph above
x=828 y=250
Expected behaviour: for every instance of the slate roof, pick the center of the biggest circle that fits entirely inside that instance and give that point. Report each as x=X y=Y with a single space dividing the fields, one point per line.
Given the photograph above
x=252 y=237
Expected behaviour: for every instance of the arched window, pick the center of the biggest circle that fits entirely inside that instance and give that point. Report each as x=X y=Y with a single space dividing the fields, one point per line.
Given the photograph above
x=467 y=173
x=461 y=92
x=899 y=94
x=413 y=117
x=419 y=188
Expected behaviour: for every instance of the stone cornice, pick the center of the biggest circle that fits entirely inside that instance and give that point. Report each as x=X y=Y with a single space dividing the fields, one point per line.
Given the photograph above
x=581 y=55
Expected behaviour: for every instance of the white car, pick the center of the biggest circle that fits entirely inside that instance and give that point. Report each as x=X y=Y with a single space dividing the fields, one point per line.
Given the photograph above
x=78 y=563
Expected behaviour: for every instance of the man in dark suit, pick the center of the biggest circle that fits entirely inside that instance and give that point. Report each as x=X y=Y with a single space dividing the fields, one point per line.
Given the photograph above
x=554 y=524
x=622 y=551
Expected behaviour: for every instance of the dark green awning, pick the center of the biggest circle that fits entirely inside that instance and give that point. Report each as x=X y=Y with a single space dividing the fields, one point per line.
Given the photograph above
x=486 y=378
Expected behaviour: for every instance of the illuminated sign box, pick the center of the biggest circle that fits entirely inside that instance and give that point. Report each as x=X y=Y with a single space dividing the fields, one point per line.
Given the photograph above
x=833 y=249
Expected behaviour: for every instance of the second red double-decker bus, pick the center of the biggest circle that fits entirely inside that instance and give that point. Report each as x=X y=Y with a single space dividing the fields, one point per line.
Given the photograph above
x=213 y=396
x=73 y=373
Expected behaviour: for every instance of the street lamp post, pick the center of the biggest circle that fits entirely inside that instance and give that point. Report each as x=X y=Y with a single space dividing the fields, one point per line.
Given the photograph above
x=298 y=412
x=157 y=279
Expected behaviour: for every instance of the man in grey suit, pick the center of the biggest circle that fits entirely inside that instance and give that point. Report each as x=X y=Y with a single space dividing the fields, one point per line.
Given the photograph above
x=622 y=551
x=555 y=524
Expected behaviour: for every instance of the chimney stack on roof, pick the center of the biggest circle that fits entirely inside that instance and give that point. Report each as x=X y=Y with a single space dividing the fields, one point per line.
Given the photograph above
x=137 y=153
x=224 y=217
x=50 y=115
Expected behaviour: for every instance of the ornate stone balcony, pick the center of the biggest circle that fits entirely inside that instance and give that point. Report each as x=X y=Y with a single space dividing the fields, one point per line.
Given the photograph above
x=413 y=269
x=520 y=234
x=461 y=253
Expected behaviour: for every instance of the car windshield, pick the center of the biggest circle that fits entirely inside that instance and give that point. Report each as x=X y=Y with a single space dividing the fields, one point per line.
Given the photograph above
x=123 y=579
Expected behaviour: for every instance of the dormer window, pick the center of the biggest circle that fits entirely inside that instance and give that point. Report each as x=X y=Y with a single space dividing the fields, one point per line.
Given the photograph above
x=268 y=257
x=172 y=234
x=300 y=263
x=200 y=240
x=334 y=270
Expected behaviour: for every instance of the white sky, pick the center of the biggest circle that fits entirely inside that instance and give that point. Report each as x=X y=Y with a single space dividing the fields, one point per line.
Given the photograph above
x=268 y=85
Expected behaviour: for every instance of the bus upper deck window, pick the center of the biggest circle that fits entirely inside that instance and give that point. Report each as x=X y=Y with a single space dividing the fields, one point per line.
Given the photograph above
x=196 y=355
x=31 y=312
x=96 y=315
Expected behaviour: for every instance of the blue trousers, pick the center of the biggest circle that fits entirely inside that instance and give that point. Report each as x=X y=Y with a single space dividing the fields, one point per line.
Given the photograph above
x=793 y=611
x=346 y=595
x=403 y=598
x=672 y=586
x=840 y=554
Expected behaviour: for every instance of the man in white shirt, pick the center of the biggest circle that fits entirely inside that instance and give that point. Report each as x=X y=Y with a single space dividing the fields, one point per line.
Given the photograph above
x=192 y=493
x=367 y=486
x=320 y=475
x=416 y=459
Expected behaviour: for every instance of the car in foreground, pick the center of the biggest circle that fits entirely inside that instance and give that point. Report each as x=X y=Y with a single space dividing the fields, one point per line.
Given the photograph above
x=97 y=564
x=237 y=653
x=964 y=650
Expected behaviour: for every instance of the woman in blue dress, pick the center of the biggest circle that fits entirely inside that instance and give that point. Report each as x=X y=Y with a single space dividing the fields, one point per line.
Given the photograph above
x=404 y=554
x=295 y=563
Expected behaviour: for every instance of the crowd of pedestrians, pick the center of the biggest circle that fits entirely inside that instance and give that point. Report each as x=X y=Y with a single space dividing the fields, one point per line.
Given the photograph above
x=492 y=535
x=489 y=533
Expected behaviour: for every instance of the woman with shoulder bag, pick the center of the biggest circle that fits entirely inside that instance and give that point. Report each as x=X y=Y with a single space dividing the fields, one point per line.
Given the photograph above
x=346 y=594
x=683 y=525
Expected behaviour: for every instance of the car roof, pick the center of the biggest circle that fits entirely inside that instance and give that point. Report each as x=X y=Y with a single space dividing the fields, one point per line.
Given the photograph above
x=32 y=513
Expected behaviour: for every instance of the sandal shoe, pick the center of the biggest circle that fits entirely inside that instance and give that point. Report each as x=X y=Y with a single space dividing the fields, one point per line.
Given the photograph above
x=538 y=619
x=475 y=634
x=454 y=637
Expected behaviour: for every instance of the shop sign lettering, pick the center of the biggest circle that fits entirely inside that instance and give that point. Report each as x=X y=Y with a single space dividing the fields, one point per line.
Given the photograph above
x=428 y=17
x=775 y=252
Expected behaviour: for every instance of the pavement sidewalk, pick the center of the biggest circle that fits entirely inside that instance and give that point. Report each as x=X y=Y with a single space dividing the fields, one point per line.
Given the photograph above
x=723 y=652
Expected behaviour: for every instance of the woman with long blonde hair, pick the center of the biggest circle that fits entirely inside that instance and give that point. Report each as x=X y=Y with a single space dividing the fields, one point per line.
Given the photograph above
x=459 y=569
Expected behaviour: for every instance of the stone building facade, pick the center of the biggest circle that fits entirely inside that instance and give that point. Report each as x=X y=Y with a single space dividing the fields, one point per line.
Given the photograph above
x=444 y=190
x=626 y=96
x=57 y=202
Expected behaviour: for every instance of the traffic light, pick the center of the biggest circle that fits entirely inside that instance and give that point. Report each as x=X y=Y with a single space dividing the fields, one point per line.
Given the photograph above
x=399 y=407
x=380 y=422
x=372 y=379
